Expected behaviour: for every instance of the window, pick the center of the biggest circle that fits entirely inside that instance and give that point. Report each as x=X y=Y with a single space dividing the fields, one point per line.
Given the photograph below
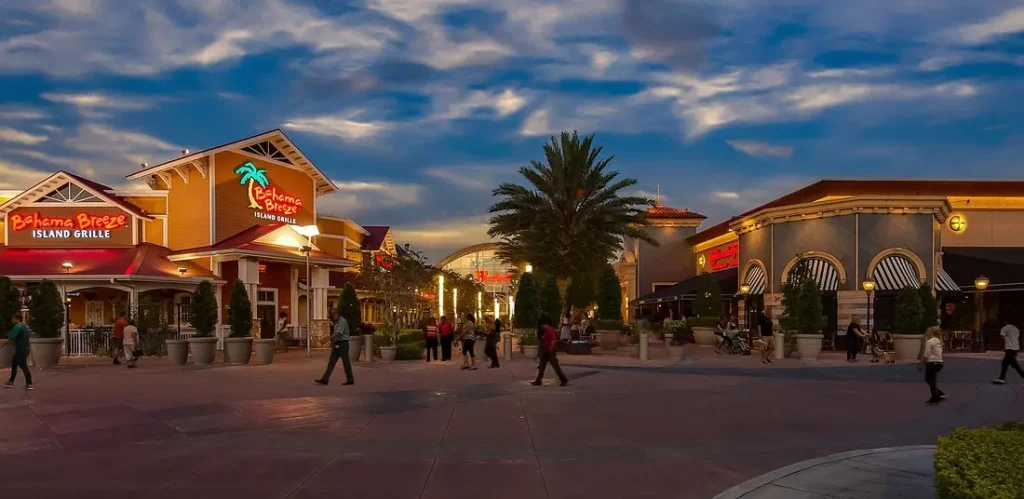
x=267 y=149
x=70 y=193
x=268 y=296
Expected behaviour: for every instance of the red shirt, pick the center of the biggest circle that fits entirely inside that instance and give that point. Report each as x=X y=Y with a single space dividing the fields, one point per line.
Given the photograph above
x=119 y=326
x=446 y=329
x=549 y=339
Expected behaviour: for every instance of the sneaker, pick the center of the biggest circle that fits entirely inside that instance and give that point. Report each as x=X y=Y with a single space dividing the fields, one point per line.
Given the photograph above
x=536 y=383
x=565 y=383
x=117 y=362
x=998 y=381
x=933 y=401
x=131 y=366
x=29 y=387
x=8 y=385
x=347 y=383
x=320 y=382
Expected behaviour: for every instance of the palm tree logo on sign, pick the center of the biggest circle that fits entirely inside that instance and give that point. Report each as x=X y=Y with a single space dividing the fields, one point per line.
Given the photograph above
x=251 y=175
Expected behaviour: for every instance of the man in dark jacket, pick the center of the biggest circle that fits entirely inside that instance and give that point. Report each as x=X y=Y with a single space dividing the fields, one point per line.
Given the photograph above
x=491 y=347
x=548 y=351
x=18 y=337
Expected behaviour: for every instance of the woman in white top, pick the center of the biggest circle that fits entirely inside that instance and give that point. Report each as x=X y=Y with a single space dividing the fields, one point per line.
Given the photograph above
x=131 y=341
x=931 y=359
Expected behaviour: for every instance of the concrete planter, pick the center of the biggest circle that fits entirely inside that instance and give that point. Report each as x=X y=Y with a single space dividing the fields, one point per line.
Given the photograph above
x=6 y=353
x=204 y=350
x=809 y=345
x=907 y=346
x=239 y=350
x=676 y=352
x=265 y=351
x=387 y=354
x=177 y=350
x=530 y=351
x=355 y=347
x=668 y=338
x=46 y=351
x=609 y=340
x=704 y=336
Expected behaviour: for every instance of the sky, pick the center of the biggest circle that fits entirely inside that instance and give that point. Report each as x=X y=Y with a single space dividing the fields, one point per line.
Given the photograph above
x=417 y=109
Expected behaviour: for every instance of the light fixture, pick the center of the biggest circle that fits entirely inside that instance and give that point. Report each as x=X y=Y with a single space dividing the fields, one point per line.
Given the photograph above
x=440 y=295
x=455 y=301
x=307 y=230
x=868 y=285
x=497 y=308
x=745 y=289
x=67 y=265
x=529 y=268
x=981 y=283
x=182 y=270
x=479 y=304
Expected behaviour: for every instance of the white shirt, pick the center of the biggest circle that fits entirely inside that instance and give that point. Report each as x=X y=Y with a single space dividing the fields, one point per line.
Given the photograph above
x=1011 y=337
x=933 y=350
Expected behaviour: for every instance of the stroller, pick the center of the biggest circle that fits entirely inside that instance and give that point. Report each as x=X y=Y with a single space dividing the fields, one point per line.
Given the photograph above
x=882 y=347
x=736 y=344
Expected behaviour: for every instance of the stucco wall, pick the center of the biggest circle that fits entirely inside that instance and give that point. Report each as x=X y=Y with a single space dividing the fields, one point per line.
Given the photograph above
x=987 y=228
x=834 y=235
x=756 y=245
x=882 y=232
x=670 y=262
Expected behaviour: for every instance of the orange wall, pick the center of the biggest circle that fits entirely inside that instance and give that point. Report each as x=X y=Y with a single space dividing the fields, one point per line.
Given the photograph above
x=330 y=245
x=188 y=225
x=152 y=205
x=2 y=232
x=119 y=236
x=233 y=205
x=154 y=231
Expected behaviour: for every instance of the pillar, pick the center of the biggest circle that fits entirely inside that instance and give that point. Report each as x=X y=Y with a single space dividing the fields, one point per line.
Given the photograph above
x=293 y=310
x=249 y=274
x=316 y=297
x=853 y=303
x=218 y=290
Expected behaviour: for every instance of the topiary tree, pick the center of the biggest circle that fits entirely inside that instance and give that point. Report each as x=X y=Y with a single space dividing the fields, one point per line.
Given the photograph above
x=908 y=312
x=202 y=310
x=929 y=308
x=707 y=303
x=580 y=294
x=348 y=307
x=240 y=311
x=46 y=310
x=527 y=303
x=801 y=300
x=609 y=296
x=551 y=298
x=10 y=304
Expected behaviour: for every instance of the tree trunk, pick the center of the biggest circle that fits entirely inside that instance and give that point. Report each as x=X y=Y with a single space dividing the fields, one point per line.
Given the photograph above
x=252 y=200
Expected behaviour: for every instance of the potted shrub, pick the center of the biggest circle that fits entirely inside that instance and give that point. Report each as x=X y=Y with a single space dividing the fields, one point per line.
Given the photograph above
x=802 y=318
x=524 y=322
x=707 y=307
x=202 y=314
x=238 y=346
x=609 y=309
x=10 y=304
x=634 y=342
x=45 y=321
x=530 y=344
x=907 y=323
x=389 y=335
x=682 y=336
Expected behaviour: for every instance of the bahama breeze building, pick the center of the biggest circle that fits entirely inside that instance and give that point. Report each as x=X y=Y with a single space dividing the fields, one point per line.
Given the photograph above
x=242 y=210
x=896 y=233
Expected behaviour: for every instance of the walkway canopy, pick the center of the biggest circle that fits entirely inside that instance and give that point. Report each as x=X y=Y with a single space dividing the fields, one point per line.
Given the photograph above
x=686 y=290
x=1004 y=267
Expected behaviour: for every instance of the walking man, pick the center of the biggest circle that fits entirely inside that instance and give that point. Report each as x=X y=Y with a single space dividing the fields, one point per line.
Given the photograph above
x=117 y=342
x=339 y=350
x=548 y=351
x=491 y=347
x=1011 y=344
x=18 y=337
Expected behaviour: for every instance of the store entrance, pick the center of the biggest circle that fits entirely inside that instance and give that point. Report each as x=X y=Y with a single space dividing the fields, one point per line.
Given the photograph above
x=266 y=312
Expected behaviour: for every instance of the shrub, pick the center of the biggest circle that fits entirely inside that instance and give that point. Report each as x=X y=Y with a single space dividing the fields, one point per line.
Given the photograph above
x=411 y=336
x=708 y=300
x=202 y=310
x=409 y=351
x=364 y=329
x=929 y=307
x=702 y=321
x=550 y=299
x=801 y=301
x=388 y=335
x=980 y=463
x=908 y=312
x=609 y=295
x=46 y=312
x=608 y=325
x=348 y=307
x=580 y=293
x=527 y=303
x=529 y=339
x=240 y=311
x=10 y=304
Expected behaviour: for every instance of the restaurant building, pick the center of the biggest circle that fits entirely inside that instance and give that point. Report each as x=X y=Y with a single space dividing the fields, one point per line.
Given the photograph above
x=243 y=210
x=893 y=232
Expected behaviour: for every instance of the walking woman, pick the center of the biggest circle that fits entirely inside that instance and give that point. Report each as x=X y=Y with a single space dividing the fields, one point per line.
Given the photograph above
x=853 y=335
x=131 y=344
x=447 y=337
x=491 y=348
x=282 y=331
x=430 y=335
x=468 y=339
x=548 y=351
x=767 y=336
x=932 y=362
x=18 y=337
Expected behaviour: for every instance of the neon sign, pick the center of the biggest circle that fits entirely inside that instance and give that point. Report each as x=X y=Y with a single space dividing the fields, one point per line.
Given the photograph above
x=383 y=262
x=81 y=226
x=721 y=258
x=484 y=276
x=271 y=202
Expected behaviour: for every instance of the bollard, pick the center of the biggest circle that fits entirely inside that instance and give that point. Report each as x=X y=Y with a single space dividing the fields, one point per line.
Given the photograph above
x=368 y=347
x=780 y=346
x=506 y=346
x=643 y=346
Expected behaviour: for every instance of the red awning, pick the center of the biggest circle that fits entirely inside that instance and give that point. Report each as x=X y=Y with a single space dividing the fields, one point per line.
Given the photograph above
x=140 y=262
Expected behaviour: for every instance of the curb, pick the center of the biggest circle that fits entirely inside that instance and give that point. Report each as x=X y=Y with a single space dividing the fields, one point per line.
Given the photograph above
x=755 y=483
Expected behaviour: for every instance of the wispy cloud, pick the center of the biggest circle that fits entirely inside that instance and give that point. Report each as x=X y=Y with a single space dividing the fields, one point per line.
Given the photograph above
x=761 y=149
x=16 y=176
x=359 y=196
x=21 y=114
x=472 y=177
x=1007 y=23
x=100 y=101
x=20 y=137
x=342 y=127
x=441 y=237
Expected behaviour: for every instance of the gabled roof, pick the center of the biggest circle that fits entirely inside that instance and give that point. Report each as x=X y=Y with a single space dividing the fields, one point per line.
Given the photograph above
x=60 y=178
x=145 y=261
x=258 y=241
x=378 y=238
x=324 y=184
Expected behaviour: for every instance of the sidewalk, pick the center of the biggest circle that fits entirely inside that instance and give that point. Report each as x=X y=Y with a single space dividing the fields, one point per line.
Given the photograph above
x=905 y=472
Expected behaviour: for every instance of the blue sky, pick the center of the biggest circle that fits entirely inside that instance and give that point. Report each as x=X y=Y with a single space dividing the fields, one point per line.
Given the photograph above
x=418 y=108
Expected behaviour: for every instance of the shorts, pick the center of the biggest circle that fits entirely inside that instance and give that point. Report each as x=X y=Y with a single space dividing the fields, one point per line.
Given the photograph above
x=467 y=347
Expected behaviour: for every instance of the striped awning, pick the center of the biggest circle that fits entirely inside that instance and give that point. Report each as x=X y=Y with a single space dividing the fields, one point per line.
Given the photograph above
x=823 y=273
x=894 y=273
x=756 y=280
x=945 y=284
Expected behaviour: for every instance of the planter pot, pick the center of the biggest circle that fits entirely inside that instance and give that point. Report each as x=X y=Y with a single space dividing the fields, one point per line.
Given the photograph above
x=177 y=350
x=704 y=336
x=530 y=351
x=6 y=353
x=46 y=351
x=907 y=346
x=203 y=350
x=478 y=348
x=675 y=352
x=809 y=345
x=634 y=351
x=265 y=351
x=609 y=340
x=387 y=354
x=668 y=338
x=239 y=350
x=355 y=347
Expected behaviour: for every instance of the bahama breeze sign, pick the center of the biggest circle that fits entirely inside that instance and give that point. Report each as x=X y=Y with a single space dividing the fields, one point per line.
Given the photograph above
x=68 y=227
x=268 y=202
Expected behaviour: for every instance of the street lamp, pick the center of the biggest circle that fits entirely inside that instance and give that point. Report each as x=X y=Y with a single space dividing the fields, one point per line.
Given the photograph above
x=529 y=268
x=869 y=287
x=67 y=266
x=310 y=231
x=440 y=295
x=455 y=301
x=745 y=291
x=479 y=304
x=981 y=283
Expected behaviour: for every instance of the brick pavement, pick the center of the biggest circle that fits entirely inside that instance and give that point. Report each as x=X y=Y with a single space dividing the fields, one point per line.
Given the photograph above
x=409 y=429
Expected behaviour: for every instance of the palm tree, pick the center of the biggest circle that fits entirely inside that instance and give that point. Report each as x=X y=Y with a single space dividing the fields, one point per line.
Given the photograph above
x=569 y=219
x=250 y=174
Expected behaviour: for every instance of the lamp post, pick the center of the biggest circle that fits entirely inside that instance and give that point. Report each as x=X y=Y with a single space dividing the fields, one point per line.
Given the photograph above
x=869 y=287
x=181 y=308
x=440 y=295
x=309 y=231
x=479 y=304
x=529 y=268
x=745 y=291
x=455 y=301
x=67 y=266
x=981 y=283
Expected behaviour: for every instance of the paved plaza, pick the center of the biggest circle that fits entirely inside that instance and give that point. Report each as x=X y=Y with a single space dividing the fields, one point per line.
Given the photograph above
x=412 y=430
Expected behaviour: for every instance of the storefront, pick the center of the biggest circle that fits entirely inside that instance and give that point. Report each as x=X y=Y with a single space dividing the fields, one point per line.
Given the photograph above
x=245 y=211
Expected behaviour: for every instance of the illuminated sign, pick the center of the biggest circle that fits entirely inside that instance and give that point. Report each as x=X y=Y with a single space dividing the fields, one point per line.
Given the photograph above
x=269 y=202
x=484 y=276
x=383 y=262
x=957 y=223
x=80 y=226
x=720 y=258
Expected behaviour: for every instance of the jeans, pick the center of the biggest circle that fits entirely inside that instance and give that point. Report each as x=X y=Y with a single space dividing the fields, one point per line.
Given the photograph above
x=339 y=351
x=931 y=376
x=446 y=347
x=20 y=361
x=550 y=358
x=116 y=349
x=432 y=348
x=1010 y=360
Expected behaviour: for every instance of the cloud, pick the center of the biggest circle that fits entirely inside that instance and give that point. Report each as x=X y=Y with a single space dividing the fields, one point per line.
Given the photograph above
x=107 y=154
x=15 y=176
x=472 y=177
x=941 y=62
x=20 y=137
x=536 y=124
x=726 y=194
x=359 y=196
x=500 y=103
x=761 y=149
x=338 y=126
x=1008 y=23
x=21 y=114
x=673 y=32
x=441 y=237
x=97 y=101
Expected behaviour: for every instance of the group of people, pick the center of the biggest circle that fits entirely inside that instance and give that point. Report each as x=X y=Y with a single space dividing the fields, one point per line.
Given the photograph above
x=443 y=334
x=729 y=339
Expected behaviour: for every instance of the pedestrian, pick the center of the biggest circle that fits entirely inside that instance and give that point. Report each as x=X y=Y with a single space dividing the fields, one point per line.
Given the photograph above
x=117 y=341
x=18 y=336
x=932 y=363
x=853 y=335
x=1011 y=344
x=491 y=347
x=721 y=327
x=766 y=326
x=282 y=331
x=468 y=339
x=430 y=337
x=339 y=350
x=566 y=331
x=447 y=333
x=548 y=351
x=131 y=344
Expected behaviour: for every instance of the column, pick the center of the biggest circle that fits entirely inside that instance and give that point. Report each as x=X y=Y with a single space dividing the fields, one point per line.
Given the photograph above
x=249 y=274
x=320 y=330
x=293 y=313
x=218 y=290
x=853 y=303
